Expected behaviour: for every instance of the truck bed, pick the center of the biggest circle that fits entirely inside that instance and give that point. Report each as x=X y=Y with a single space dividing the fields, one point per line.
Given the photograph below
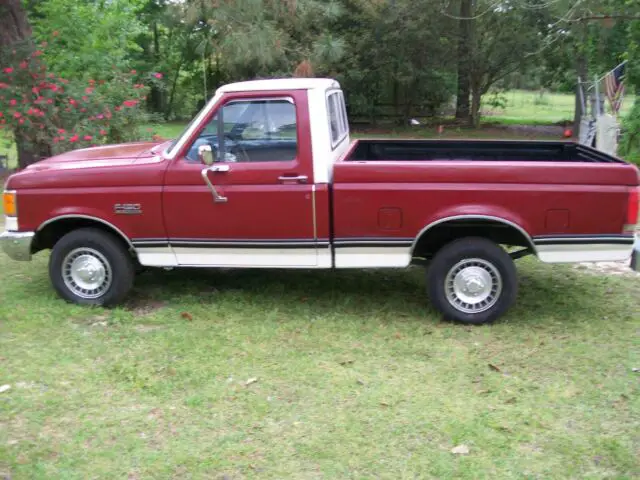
x=476 y=150
x=467 y=162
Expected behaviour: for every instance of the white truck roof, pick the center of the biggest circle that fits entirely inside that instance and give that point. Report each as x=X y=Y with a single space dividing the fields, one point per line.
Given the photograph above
x=281 y=84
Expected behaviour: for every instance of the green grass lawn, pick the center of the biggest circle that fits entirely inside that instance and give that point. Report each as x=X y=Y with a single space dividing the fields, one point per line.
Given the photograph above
x=532 y=107
x=298 y=374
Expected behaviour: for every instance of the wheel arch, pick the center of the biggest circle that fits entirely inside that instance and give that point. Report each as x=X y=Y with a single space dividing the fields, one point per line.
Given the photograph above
x=444 y=230
x=53 y=229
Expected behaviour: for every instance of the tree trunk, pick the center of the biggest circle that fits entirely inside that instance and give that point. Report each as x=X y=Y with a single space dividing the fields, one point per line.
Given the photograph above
x=15 y=30
x=156 y=95
x=476 y=99
x=14 y=26
x=464 y=59
x=29 y=153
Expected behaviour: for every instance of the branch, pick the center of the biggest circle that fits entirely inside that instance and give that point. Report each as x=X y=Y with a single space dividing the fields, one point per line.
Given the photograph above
x=605 y=17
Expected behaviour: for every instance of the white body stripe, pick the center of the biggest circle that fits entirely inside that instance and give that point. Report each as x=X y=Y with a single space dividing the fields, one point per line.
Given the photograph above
x=373 y=257
x=235 y=257
x=157 y=256
x=588 y=252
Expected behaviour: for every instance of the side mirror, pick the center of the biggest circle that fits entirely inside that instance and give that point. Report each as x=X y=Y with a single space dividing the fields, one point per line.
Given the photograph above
x=206 y=156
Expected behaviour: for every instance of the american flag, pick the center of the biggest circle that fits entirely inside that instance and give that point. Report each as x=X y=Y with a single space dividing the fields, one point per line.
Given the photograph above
x=614 y=87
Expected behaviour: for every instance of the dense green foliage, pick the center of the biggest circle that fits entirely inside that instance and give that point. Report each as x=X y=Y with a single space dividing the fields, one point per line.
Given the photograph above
x=397 y=59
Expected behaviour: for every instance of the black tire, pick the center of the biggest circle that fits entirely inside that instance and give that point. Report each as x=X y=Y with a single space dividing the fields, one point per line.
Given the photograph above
x=474 y=255
x=101 y=249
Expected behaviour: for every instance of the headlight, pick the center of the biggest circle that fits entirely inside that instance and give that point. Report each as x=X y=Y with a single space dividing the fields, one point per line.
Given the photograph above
x=10 y=204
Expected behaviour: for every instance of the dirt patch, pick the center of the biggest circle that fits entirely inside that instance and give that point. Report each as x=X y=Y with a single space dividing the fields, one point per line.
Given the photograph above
x=607 y=268
x=147 y=328
x=141 y=307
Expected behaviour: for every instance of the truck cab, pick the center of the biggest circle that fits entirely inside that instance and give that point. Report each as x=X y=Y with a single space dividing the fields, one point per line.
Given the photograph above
x=267 y=176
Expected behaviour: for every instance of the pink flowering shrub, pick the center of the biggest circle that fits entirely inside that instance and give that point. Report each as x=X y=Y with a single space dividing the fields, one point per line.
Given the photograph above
x=52 y=115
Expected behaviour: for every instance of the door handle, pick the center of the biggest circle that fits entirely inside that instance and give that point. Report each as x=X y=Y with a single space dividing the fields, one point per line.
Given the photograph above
x=293 y=178
x=217 y=198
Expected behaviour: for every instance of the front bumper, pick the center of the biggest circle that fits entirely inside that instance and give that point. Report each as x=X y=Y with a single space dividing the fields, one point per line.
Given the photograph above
x=17 y=245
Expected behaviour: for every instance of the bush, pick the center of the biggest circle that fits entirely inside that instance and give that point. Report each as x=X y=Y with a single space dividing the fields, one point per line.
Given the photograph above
x=630 y=143
x=49 y=114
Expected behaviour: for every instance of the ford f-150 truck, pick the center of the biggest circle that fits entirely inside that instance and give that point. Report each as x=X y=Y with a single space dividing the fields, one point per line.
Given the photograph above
x=266 y=176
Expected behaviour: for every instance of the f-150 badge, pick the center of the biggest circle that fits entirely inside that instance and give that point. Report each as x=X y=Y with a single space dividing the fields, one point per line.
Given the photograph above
x=127 y=208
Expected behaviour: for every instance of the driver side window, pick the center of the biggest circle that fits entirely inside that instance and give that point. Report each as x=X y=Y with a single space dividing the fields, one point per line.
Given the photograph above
x=251 y=131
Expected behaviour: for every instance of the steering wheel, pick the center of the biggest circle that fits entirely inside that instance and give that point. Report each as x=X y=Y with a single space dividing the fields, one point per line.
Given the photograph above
x=237 y=148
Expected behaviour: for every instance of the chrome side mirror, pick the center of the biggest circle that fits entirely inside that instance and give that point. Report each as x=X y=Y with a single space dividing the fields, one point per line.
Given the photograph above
x=206 y=156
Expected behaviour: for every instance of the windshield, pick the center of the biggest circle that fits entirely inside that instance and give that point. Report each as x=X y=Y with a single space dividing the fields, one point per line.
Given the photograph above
x=184 y=132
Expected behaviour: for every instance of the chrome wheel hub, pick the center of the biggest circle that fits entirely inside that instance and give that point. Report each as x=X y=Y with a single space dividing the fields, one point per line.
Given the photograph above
x=87 y=273
x=473 y=285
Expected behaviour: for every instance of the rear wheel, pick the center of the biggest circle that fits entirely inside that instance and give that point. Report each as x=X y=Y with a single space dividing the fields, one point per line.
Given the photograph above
x=91 y=267
x=472 y=280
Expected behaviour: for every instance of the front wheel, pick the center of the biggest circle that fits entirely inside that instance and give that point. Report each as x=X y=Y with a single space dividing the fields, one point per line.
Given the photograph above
x=91 y=267
x=472 y=280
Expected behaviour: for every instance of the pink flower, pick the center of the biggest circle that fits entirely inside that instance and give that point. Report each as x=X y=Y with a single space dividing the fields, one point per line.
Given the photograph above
x=83 y=109
x=103 y=132
x=37 y=53
x=157 y=75
x=55 y=33
x=117 y=109
x=35 y=90
x=87 y=137
x=4 y=85
x=17 y=114
x=55 y=140
x=21 y=121
x=73 y=139
x=133 y=72
x=24 y=64
x=61 y=130
x=88 y=90
x=1 y=114
x=49 y=101
x=130 y=103
x=12 y=102
x=72 y=101
x=100 y=117
x=85 y=98
x=7 y=70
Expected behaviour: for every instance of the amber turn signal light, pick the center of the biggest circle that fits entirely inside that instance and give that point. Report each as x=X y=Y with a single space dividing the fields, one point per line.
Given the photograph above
x=9 y=204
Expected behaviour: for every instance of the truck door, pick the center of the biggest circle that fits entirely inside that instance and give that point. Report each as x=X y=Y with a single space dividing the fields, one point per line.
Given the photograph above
x=254 y=207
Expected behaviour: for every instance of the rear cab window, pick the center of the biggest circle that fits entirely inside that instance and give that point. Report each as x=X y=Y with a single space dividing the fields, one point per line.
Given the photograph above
x=338 y=125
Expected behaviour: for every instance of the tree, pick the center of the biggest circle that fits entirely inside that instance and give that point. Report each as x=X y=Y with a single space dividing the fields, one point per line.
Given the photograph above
x=15 y=33
x=506 y=39
x=465 y=46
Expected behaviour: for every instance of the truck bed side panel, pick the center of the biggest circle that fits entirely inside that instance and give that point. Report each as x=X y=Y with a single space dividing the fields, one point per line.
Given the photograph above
x=385 y=206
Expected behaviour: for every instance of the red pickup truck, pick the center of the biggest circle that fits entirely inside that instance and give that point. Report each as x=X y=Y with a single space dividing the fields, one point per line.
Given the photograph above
x=266 y=176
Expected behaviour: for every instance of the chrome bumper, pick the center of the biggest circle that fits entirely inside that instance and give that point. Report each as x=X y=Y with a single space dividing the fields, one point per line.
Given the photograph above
x=17 y=245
